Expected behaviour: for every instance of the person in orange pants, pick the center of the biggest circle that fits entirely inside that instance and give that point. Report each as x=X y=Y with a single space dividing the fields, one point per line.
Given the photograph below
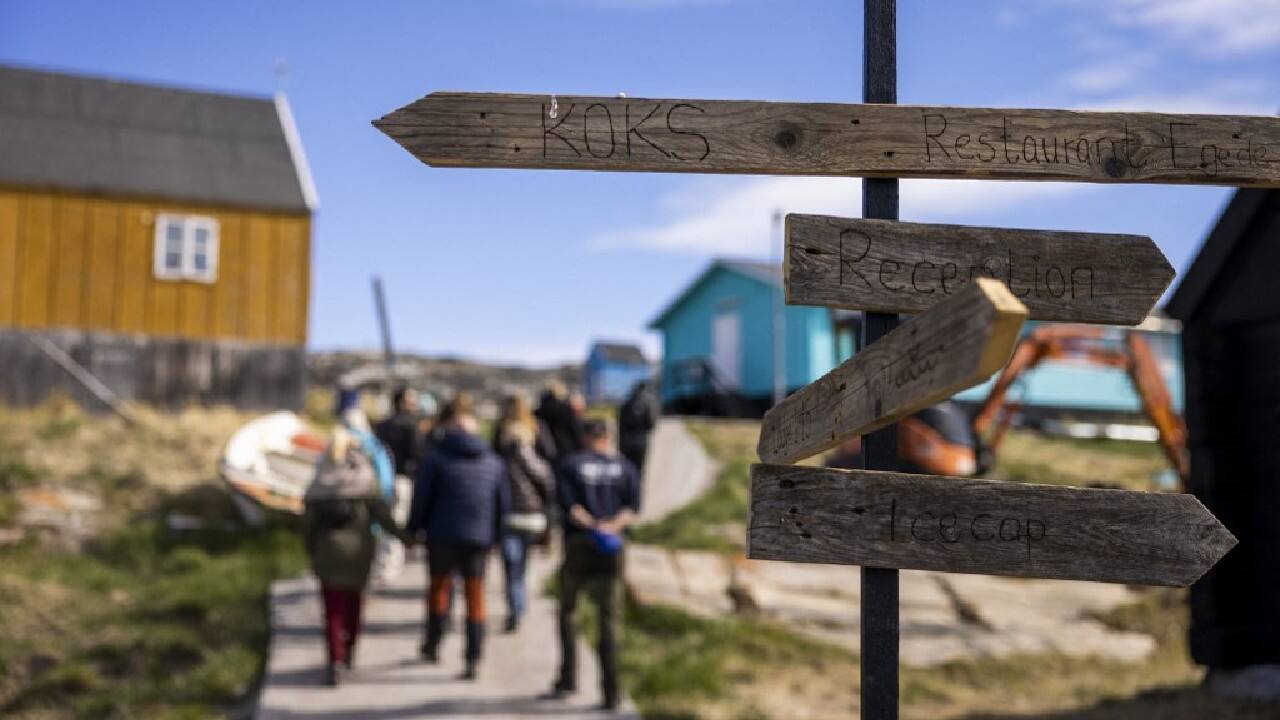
x=460 y=501
x=445 y=561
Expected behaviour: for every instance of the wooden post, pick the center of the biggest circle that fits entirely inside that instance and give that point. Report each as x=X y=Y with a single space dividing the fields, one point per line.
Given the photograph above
x=879 y=449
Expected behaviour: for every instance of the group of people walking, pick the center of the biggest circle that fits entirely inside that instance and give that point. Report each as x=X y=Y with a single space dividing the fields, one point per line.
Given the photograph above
x=540 y=469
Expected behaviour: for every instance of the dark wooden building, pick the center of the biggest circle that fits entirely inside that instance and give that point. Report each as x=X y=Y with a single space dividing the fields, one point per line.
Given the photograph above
x=161 y=237
x=1229 y=305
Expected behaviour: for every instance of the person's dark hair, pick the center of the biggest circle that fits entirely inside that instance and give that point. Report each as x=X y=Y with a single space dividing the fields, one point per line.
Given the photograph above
x=397 y=397
x=595 y=428
x=638 y=389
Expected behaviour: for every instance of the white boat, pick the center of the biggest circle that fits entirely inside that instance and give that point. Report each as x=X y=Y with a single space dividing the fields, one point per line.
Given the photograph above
x=269 y=462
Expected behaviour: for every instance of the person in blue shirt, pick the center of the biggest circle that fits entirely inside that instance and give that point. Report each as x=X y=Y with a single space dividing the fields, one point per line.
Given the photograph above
x=599 y=494
x=460 y=500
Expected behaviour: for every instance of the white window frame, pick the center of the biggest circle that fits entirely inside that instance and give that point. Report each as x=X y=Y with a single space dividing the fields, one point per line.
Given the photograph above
x=187 y=268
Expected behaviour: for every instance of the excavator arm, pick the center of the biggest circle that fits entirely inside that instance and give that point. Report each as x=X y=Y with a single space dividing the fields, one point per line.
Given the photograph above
x=1048 y=342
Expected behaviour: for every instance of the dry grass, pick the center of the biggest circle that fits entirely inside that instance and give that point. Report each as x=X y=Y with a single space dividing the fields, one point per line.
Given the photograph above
x=173 y=450
x=140 y=621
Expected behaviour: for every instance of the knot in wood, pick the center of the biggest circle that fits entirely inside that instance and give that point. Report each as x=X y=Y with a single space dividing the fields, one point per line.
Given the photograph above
x=787 y=138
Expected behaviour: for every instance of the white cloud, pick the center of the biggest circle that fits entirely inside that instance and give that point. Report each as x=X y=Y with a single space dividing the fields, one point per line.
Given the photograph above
x=1214 y=26
x=734 y=216
x=1210 y=27
x=1239 y=98
x=1110 y=74
x=1007 y=17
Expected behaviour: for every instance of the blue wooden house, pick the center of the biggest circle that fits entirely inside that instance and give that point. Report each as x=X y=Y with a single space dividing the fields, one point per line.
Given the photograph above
x=718 y=349
x=719 y=355
x=611 y=370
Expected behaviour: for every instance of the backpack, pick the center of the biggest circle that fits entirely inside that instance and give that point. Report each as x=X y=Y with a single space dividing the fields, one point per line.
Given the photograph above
x=335 y=514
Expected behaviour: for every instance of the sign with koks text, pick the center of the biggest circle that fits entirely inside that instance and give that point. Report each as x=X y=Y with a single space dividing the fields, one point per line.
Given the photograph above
x=785 y=138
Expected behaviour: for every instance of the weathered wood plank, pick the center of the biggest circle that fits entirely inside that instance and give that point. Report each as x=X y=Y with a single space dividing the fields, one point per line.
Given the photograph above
x=957 y=343
x=926 y=522
x=722 y=136
x=882 y=266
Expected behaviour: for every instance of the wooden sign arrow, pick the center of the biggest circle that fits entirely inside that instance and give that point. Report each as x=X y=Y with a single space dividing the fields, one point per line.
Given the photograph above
x=722 y=136
x=956 y=344
x=897 y=267
x=926 y=522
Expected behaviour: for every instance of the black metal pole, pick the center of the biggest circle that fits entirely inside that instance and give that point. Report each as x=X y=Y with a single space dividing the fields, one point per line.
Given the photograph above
x=880 y=448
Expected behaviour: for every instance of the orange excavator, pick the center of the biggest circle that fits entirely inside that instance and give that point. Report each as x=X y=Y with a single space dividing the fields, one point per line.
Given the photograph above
x=939 y=440
x=1089 y=344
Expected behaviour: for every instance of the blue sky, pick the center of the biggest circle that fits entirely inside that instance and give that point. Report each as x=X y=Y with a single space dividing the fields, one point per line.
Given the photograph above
x=528 y=266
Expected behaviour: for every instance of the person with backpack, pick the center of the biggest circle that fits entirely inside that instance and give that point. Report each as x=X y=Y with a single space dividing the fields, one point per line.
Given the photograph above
x=342 y=504
x=515 y=438
x=460 y=500
x=390 y=553
x=599 y=494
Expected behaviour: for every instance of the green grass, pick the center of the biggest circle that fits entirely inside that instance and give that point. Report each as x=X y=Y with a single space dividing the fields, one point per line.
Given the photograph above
x=14 y=474
x=673 y=661
x=145 y=622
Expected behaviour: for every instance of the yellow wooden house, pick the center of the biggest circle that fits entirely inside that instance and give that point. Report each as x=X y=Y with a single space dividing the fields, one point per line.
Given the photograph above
x=160 y=237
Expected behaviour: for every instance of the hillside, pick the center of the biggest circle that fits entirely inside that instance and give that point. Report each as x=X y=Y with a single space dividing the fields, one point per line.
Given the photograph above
x=440 y=375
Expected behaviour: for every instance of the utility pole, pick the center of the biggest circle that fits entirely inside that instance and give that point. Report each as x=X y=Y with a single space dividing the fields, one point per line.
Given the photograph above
x=384 y=324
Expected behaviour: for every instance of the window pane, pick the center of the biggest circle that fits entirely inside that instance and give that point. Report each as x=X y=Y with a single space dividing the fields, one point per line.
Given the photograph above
x=172 y=246
x=200 y=250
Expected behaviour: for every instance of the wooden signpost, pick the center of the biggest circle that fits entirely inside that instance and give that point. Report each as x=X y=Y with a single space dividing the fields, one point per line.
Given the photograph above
x=453 y=129
x=861 y=517
x=955 y=277
x=958 y=343
x=899 y=267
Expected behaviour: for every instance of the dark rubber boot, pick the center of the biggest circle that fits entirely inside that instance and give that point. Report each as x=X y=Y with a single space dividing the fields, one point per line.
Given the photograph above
x=430 y=650
x=475 y=642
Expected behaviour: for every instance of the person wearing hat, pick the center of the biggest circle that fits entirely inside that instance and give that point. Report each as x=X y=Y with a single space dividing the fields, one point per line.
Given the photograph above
x=599 y=494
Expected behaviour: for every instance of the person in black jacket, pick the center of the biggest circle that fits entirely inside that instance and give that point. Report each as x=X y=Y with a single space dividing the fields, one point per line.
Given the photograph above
x=515 y=437
x=562 y=423
x=401 y=432
x=599 y=493
x=459 y=502
x=636 y=419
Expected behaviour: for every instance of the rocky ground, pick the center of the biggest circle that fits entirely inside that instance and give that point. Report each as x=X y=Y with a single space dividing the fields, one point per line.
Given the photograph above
x=442 y=376
x=945 y=617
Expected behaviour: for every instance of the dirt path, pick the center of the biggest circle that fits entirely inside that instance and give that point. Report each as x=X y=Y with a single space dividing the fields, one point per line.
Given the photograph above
x=389 y=682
